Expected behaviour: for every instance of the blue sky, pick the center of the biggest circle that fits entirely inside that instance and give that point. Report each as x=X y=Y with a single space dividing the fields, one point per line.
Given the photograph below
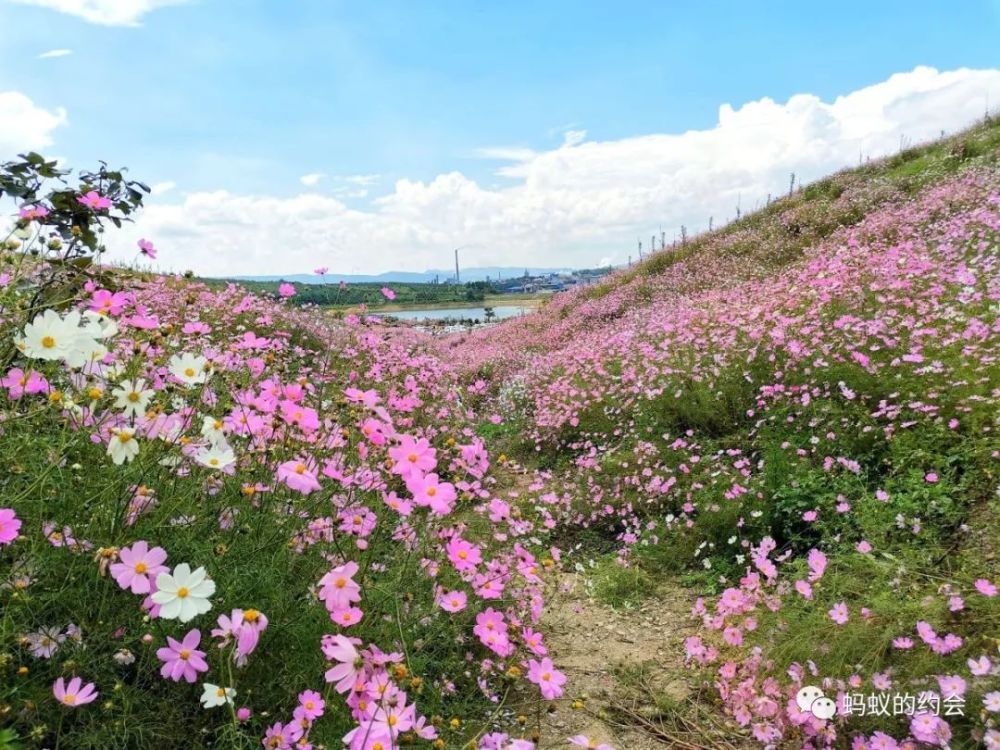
x=250 y=96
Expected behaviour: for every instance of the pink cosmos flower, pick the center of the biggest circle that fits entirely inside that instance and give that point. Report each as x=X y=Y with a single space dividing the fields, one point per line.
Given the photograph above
x=817 y=564
x=369 y=398
x=338 y=589
x=733 y=636
x=985 y=588
x=980 y=667
x=282 y=736
x=298 y=475
x=432 y=493
x=10 y=525
x=303 y=417
x=583 y=741
x=19 y=383
x=138 y=566
x=311 y=706
x=412 y=456
x=930 y=477
x=951 y=685
x=549 y=680
x=839 y=613
x=75 y=693
x=341 y=649
x=322 y=271
x=534 y=642
x=147 y=249
x=463 y=556
x=286 y=290
x=33 y=212
x=347 y=617
x=863 y=547
x=453 y=601
x=925 y=727
x=388 y=293
x=94 y=200
x=804 y=588
x=881 y=741
x=245 y=626
x=182 y=659
x=109 y=303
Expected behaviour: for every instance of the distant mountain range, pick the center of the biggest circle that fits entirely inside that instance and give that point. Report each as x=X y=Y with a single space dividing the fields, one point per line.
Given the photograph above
x=414 y=277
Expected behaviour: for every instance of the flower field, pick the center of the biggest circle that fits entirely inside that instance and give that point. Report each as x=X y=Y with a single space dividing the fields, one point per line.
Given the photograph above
x=229 y=522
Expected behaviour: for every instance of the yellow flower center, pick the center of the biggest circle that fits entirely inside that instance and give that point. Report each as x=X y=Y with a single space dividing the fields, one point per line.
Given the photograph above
x=182 y=592
x=69 y=699
x=213 y=461
x=300 y=468
x=221 y=692
x=432 y=491
x=189 y=372
x=251 y=615
x=48 y=342
x=140 y=567
x=463 y=555
x=94 y=393
x=133 y=396
x=391 y=721
x=124 y=436
x=310 y=705
x=412 y=458
x=340 y=583
x=547 y=676
x=185 y=654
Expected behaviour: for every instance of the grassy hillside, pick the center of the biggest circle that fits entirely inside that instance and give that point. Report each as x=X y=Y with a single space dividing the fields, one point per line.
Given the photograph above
x=797 y=416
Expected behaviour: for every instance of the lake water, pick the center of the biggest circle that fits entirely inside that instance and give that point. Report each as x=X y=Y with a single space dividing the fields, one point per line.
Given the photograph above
x=441 y=313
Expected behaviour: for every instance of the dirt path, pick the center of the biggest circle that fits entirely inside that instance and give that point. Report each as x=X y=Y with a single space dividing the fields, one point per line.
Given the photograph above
x=604 y=654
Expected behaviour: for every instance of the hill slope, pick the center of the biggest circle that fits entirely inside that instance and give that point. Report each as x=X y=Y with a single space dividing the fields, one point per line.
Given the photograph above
x=797 y=416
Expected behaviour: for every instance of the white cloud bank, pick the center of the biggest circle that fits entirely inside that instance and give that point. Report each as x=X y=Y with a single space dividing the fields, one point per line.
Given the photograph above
x=578 y=204
x=24 y=126
x=54 y=53
x=104 y=12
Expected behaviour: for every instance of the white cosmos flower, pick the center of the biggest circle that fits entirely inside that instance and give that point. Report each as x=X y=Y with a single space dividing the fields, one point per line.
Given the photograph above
x=123 y=446
x=190 y=369
x=216 y=456
x=211 y=430
x=183 y=594
x=132 y=397
x=50 y=336
x=216 y=696
x=99 y=326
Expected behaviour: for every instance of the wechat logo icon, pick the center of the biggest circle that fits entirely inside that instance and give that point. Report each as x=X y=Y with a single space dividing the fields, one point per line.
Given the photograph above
x=811 y=699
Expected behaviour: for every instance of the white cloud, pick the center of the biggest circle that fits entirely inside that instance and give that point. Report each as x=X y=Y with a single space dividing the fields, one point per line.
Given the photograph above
x=363 y=180
x=24 y=126
x=160 y=188
x=104 y=12
x=53 y=53
x=583 y=203
x=310 y=180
